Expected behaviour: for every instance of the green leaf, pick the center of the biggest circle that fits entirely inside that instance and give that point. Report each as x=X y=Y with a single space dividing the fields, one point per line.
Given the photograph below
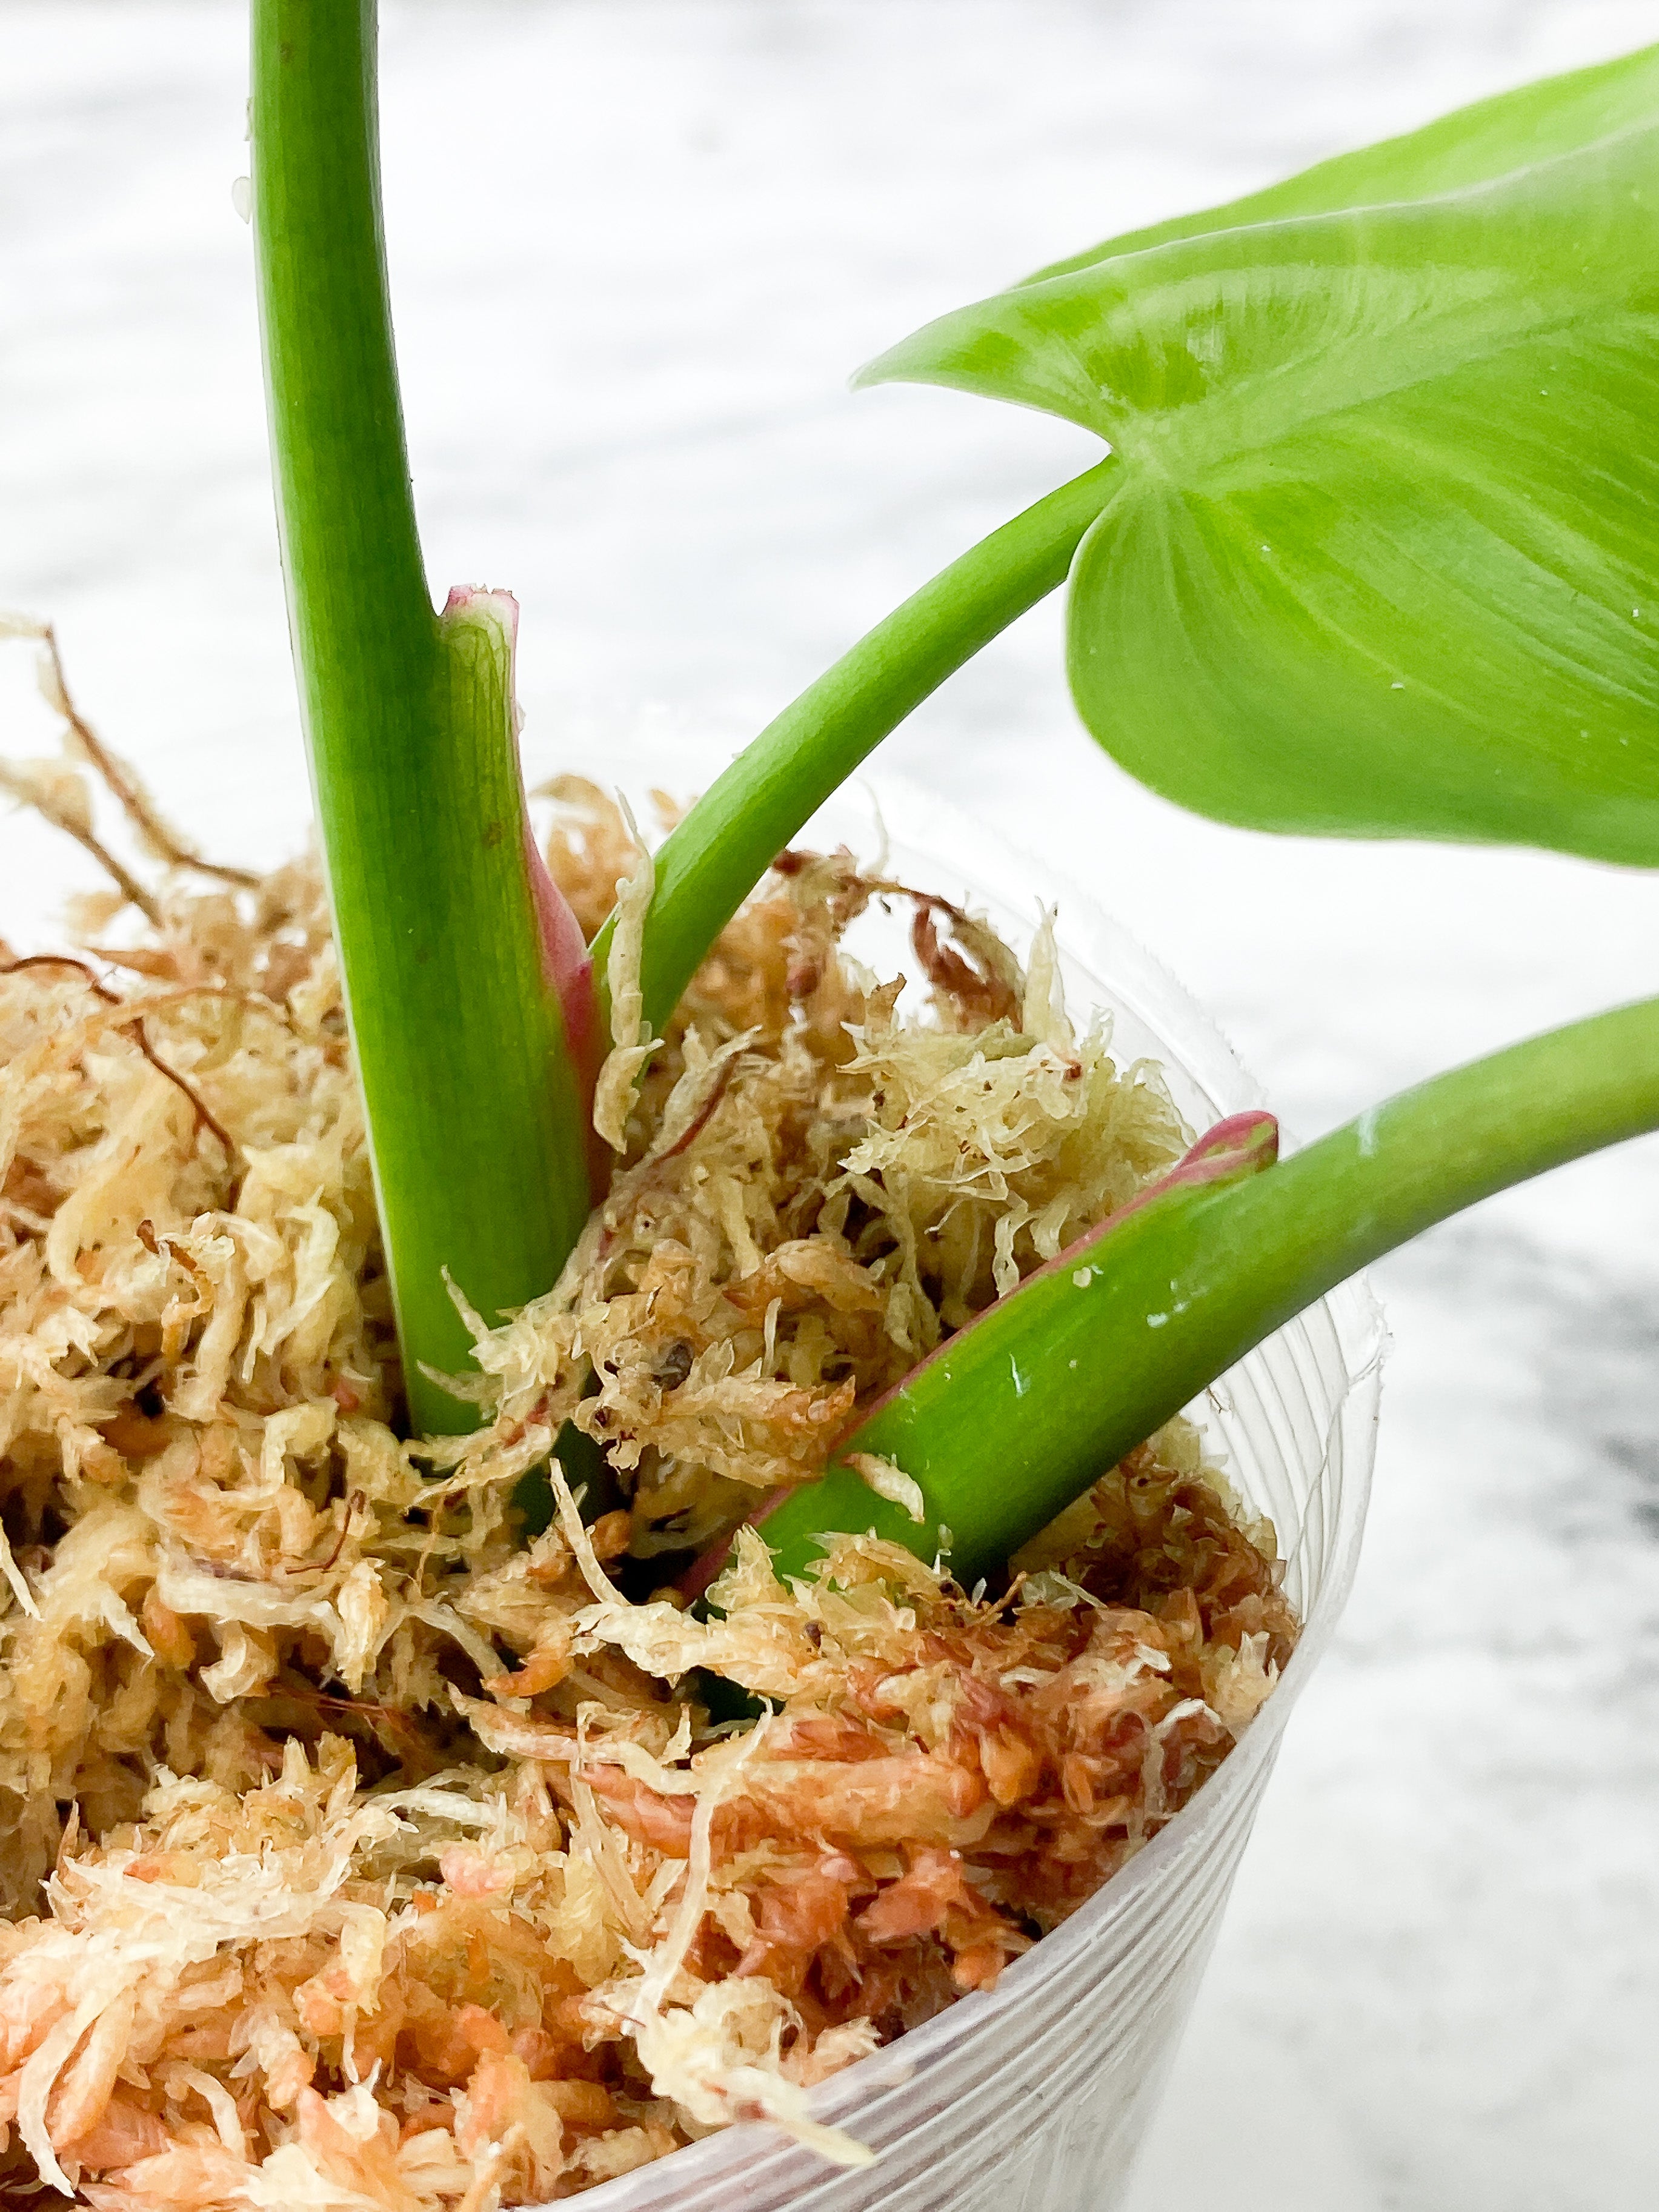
x=1381 y=559
x=1473 y=146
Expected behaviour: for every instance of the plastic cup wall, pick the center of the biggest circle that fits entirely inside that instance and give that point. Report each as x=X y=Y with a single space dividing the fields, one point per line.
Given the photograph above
x=1036 y=2097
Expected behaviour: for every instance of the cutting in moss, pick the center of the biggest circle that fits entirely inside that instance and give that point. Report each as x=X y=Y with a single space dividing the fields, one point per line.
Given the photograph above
x=762 y=1017
x=1458 y=265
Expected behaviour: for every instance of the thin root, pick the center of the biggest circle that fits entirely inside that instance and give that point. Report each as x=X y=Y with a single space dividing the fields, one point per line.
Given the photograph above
x=134 y=1027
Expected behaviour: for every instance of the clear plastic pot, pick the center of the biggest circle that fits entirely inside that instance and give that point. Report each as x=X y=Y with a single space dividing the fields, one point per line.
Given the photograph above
x=1036 y=2097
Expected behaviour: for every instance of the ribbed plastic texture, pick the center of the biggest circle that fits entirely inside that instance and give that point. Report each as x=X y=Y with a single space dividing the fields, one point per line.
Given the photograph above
x=1036 y=2097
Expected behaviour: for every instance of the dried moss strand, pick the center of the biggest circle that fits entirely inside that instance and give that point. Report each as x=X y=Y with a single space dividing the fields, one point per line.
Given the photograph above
x=134 y=1027
x=156 y=835
x=30 y=794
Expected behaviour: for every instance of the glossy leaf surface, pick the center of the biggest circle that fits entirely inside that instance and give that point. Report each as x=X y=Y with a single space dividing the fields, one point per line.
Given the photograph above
x=1473 y=145
x=1381 y=559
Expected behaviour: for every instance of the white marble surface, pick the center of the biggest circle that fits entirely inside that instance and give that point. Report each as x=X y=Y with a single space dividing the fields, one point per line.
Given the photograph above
x=636 y=247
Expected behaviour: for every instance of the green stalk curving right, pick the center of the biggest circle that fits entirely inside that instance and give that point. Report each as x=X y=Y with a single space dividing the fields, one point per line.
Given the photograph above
x=1014 y=1416
x=716 y=855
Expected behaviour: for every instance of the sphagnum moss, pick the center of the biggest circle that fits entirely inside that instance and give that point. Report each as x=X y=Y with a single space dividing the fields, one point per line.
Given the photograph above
x=401 y=1861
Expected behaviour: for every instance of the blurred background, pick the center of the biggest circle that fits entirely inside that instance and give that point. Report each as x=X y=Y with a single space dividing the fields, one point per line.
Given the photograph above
x=637 y=246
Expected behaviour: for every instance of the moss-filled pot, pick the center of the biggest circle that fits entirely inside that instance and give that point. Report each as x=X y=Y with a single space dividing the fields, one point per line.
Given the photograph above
x=394 y=1854
x=1036 y=2096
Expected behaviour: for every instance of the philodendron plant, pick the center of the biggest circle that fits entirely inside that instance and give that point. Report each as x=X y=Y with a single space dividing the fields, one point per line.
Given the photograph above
x=1370 y=551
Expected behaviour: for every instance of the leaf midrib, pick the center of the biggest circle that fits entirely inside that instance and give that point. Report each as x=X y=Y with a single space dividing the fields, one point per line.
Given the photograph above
x=1207 y=438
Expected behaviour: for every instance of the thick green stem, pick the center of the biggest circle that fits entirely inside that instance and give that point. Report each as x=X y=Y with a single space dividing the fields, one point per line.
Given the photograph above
x=1019 y=1412
x=449 y=950
x=728 y=839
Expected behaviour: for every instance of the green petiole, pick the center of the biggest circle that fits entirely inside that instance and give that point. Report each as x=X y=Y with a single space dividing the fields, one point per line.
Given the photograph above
x=714 y=858
x=453 y=945
x=1017 y=1413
